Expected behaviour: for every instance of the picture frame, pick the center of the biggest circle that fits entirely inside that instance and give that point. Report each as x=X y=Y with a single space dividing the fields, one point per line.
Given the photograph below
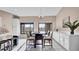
x=65 y=20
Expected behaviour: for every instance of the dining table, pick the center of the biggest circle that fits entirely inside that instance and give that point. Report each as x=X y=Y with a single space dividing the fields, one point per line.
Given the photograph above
x=38 y=36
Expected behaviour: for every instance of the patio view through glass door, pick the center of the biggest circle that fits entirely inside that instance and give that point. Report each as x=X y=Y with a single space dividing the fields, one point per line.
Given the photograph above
x=44 y=27
x=26 y=27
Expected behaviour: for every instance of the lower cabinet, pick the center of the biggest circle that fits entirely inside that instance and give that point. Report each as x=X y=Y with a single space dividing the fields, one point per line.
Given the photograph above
x=68 y=42
x=61 y=39
x=57 y=47
x=74 y=43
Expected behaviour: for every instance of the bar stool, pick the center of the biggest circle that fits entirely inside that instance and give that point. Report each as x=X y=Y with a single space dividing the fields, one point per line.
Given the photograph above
x=10 y=44
x=3 y=42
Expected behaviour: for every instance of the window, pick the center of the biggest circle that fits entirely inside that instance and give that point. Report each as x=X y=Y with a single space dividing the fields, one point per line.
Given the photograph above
x=26 y=27
x=44 y=27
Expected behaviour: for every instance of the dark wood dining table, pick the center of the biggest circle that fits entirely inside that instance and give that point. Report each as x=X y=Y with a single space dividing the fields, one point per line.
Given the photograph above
x=38 y=36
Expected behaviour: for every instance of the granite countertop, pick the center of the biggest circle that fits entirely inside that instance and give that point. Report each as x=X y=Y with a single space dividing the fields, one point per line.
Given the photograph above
x=5 y=36
x=68 y=33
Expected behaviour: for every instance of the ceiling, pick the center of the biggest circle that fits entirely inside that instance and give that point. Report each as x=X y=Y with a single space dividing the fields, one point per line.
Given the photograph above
x=32 y=11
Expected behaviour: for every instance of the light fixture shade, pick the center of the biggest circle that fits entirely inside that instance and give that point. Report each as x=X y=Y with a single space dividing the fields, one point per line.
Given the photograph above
x=41 y=17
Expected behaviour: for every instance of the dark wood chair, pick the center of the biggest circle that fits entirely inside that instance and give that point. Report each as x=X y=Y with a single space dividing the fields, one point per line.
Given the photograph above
x=38 y=37
x=5 y=46
x=2 y=42
x=49 y=39
x=30 y=39
x=10 y=44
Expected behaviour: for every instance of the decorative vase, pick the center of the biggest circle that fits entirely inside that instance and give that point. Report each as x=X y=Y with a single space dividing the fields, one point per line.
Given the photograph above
x=72 y=32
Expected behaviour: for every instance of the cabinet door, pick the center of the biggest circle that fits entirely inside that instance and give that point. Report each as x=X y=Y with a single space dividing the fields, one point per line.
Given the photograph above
x=16 y=27
x=61 y=39
x=66 y=42
x=57 y=47
x=56 y=36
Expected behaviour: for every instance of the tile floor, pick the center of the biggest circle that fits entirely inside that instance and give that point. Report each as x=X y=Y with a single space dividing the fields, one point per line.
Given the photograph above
x=39 y=48
x=29 y=47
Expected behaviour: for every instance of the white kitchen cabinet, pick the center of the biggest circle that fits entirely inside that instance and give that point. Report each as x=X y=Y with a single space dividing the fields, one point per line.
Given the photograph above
x=74 y=43
x=16 y=26
x=55 y=35
x=67 y=41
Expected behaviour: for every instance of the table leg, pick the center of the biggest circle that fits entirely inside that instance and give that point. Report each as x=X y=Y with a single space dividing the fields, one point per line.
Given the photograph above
x=4 y=47
x=0 y=47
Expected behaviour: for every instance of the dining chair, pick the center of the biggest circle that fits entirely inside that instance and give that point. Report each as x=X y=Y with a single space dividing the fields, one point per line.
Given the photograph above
x=49 y=39
x=30 y=39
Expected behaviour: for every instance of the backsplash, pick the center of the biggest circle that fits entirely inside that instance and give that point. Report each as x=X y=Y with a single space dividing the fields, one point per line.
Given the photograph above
x=3 y=30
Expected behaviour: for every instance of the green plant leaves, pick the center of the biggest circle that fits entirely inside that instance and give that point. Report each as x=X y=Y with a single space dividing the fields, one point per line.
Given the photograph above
x=73 y=25
x=75 y=22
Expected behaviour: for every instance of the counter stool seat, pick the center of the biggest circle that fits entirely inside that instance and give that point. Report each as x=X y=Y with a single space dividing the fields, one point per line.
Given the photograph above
x=3 y=42
x=10 y=45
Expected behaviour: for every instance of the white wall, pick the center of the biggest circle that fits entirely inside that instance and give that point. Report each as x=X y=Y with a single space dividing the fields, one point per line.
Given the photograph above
x=0 y=21
x=73 y=12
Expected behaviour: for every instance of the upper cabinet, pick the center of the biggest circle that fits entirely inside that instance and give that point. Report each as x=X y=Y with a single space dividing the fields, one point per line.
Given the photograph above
x=16 y=26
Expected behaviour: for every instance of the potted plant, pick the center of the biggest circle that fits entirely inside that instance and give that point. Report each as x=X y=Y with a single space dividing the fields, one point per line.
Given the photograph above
x=72 y=26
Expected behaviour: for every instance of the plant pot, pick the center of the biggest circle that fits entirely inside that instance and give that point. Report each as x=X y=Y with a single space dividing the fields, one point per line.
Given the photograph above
x=72 y=32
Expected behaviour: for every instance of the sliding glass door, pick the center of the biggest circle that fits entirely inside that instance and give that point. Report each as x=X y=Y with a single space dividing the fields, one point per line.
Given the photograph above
x=44 y=27
x=26 y=27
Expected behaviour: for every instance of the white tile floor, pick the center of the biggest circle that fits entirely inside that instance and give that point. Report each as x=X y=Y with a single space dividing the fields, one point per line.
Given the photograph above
x=39 y=48
x=22 y=47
